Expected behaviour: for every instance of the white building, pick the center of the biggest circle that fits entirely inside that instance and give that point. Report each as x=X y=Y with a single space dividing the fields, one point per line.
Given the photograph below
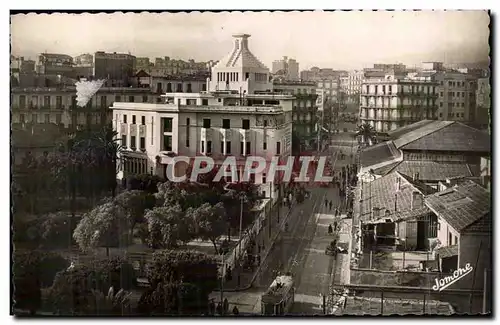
x=239 y=116
x=286 y=67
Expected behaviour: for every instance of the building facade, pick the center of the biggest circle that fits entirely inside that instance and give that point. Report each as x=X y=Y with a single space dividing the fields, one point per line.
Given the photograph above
x=483 y=103
x=351 y=84
x=305 y=110
x=58 y=105
x=389 y=103
x=55 y=64
x=238 y=116
x=287 y=68
x=116 y=68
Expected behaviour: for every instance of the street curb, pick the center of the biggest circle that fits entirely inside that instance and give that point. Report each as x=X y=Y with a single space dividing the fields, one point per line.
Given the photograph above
x=265 y=257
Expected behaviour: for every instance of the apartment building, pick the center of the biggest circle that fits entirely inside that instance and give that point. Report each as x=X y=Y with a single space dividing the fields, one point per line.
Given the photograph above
x=238 y=116
x=351 y=84
x=55 y=64
x=287 y=68
x=116 y=68
x=58 y=105
x=389 y=103
x=305 y=109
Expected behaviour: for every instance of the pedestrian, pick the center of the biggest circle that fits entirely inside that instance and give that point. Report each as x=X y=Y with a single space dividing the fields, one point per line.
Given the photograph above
x=335 y=225
x=331 y=204
x=211 y=307
x=235 y=310
x=330 y=230
x=229 y=273
x=258 y=260
x=225 y=305
x=219 y=308
x=326 y=203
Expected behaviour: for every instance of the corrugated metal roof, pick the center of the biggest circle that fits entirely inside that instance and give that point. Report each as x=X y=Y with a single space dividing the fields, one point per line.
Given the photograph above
x=452 y=137
x=420 y=132
x=460 y=216
x=432 y=170
x=394 y=134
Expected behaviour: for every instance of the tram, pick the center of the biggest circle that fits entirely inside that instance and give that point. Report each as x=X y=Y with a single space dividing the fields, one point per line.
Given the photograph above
x=279 y=298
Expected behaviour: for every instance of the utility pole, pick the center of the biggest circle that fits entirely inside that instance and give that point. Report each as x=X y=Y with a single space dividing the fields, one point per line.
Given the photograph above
x=241 y=224
x=222 y=284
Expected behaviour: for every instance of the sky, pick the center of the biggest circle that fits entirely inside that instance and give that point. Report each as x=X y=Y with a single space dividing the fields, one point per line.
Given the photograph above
x=338 y=40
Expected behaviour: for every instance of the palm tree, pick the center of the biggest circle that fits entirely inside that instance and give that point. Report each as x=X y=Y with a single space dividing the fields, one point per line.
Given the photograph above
x=367 y=133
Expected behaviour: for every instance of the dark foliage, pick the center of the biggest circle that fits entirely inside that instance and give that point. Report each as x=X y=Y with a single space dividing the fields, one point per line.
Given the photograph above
x=31 y=272
x=143 y=182
x=72 y=290
x=171 y=299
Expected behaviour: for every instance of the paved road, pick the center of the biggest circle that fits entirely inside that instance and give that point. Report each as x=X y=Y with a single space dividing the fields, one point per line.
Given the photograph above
x=300 y=250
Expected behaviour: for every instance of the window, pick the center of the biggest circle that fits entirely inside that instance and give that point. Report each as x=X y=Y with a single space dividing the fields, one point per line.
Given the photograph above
x=124 y=141
x=278 y=148
x=47 y=118
x=222 y=146
x=458 y=114
x=133 y=142
x=133 y=119
x=228 y=147
x=441 y=104
x=209 y=146
x=46 y=101
x=264 y=178
x=204 y=102
x=124 y=118
x=167 y=143
x=144 y=98
x=245 y=125
x=169 y=87
x=441 y=114
x=463 y=94
x=241 y=148
x=226 y=123
x=449 y=83
x=206 y=123
x=449 y=238
x=442 y=83
x=463 y=104
x=264 y=146
x=22 y=118
x=59 y=102
x=248 y=148
x=22 y=101
x=438 y=226
x=143 y=120
x=167 y=124
x=189 y=90
x=58 y=118
x=204 y=87
x=34 y=118
x=143 y=143
x=456 y=240
x=463 y=115
x=247 y=75
x=118 y=98
x=131 y=99
x=202 y=146
x=179 y=88
x=441 y=94
x=265 y=123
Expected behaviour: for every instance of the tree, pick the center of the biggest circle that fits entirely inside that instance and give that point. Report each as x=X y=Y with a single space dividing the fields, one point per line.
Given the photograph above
x=170 y=299
x=167 y=227
x=31 y=272
x=104 y=226
x=133 y=204
x=74 y=289
x=143 y=182
x=56 y=230
x=195 y=272
x=210 y=222
x=367 y=133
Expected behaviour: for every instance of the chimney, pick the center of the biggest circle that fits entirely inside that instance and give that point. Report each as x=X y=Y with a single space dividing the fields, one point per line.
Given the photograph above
x=417 y=200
